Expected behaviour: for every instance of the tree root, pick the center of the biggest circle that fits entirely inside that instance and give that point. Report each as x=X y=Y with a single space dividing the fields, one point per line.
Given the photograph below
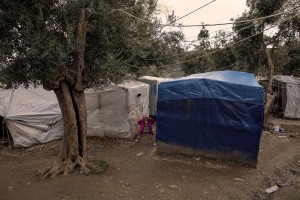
x=67 y=167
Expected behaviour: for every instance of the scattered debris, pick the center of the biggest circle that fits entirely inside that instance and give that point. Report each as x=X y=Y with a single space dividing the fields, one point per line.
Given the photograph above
x=161 y=190
x=10 y=187
x=173 y=186
x=282 y=137
x=272 y=189
x=239 y=179
x=28 y=183
x=139 y=154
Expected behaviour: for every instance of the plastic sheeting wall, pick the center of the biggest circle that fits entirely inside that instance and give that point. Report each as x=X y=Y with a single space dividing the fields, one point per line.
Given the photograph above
x=109 y=111
x=216 y=112
x=32 y=115
x=153 y=82
x=290 y=94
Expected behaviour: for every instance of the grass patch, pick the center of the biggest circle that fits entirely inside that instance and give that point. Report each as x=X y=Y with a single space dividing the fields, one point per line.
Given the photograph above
x=101 y=166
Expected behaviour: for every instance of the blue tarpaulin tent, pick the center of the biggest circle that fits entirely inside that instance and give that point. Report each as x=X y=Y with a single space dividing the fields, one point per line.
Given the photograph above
x=214 y=112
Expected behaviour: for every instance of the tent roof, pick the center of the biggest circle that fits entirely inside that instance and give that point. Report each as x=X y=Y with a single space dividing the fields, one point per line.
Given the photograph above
x=153 y=78
x=287 y=79
x=235 y=77
x=226 y=85
x=122 y=86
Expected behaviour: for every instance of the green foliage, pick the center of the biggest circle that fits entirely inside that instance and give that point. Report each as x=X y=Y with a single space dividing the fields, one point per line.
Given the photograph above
x=253 y=45
x=39 y=44
x=198 y=63
x=292 y=67
x=101 y=166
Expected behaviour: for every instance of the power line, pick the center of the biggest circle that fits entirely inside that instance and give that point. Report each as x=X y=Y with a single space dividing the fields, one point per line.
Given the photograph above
x=193 y=11
x=228 y=34
x=230 y=45
x=140 y=19
x=274 y=15
x=218 y=24
x=237 y=22
x=199 y=50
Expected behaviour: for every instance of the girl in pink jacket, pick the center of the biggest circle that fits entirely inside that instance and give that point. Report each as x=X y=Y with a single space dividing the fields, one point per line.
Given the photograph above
x=146 y=124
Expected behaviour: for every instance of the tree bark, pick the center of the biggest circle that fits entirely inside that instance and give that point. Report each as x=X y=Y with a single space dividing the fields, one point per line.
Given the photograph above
x=73 y=153
x=270 y=96
x=69 y=90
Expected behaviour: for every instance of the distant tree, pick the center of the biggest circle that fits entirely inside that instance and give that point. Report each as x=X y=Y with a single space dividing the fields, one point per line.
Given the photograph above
x=68 y=46
x=292 y=67
x=257 y=42
x=203 y=38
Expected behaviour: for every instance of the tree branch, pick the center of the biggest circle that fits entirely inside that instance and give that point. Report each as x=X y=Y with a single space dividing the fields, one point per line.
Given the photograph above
x=81 y=79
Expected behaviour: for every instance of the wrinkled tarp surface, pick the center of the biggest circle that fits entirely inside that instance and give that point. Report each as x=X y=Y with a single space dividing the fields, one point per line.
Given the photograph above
x=290 y=95
x=113 y=112
x=33 y=115
x=215 y=112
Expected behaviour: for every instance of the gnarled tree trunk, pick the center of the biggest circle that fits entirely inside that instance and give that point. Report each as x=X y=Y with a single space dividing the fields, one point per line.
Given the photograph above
x=73 y=153
x=69 y=90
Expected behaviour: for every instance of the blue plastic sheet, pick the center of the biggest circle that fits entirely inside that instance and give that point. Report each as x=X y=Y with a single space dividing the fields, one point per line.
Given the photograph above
x=216 y=112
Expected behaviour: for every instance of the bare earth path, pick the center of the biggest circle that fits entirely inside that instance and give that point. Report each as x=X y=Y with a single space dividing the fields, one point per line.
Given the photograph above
x=137 y=172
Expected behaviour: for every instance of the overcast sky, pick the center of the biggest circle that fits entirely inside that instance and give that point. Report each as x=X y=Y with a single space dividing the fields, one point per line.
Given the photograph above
x=220 y=11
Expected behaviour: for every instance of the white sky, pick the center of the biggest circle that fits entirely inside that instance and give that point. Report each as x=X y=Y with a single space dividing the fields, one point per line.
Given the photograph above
x=220 y=11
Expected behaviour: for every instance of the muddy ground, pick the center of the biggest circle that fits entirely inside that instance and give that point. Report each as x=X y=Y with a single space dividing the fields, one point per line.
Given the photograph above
x=136 y=171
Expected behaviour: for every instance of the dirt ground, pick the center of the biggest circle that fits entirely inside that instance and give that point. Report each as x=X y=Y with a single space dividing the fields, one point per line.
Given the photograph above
x=136 y=171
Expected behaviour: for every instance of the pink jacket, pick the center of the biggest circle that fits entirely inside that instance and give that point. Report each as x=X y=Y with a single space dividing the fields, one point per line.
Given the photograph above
x=142 y=125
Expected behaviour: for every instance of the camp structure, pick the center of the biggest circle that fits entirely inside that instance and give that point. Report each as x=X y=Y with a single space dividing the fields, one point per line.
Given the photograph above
x=215 y=114
x=289 y=94
x=114 y=111
x=153 y=82
x=33 y=116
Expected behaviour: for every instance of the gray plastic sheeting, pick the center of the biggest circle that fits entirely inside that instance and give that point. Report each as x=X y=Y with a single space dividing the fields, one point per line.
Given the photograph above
x=290 y=95
x=33 y=115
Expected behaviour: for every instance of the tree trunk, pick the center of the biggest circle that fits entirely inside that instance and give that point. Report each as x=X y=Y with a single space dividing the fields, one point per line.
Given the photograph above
x=69 y=90
x=73 y=153
x=270 y=97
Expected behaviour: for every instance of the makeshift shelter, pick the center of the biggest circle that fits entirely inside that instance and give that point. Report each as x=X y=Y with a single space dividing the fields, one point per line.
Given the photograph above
x=217 y=114
x=33 y=116
x=153 y=82
x=113 y=112
x=289 y=89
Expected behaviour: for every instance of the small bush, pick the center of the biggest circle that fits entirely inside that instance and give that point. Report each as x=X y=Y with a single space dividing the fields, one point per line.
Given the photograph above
x=101 y=166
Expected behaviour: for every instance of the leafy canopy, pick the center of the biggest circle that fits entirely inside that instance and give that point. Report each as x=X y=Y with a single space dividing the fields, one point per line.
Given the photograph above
x=38 y=40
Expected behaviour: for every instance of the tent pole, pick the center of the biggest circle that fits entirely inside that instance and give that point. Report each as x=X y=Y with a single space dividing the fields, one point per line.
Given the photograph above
x=3 y=129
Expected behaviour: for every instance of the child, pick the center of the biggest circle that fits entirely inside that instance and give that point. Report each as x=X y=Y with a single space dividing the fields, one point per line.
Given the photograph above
x=146 y=124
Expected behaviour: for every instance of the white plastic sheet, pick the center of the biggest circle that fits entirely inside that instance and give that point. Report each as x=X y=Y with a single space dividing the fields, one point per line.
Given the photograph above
x=33 y=115
x=109 y=111
x=153 y=82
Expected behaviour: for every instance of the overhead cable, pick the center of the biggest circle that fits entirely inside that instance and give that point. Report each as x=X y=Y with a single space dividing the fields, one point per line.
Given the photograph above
x=237 y=22
x=193 y=11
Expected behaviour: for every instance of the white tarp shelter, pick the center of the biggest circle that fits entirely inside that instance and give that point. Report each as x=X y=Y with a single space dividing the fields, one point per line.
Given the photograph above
x=113 y=112
x=33 y=115
x=290 y=95
x=153 y=82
